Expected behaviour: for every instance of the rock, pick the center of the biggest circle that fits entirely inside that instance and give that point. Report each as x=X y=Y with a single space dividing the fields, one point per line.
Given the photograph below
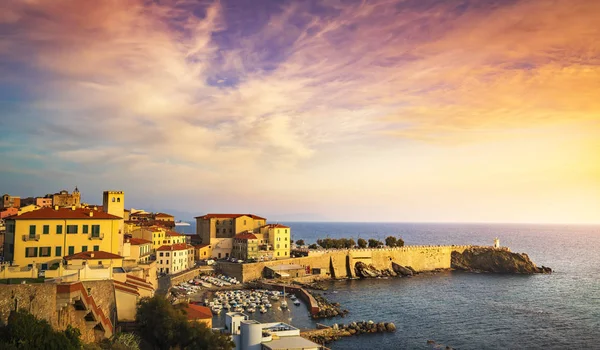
x=430 y=342
x=487 y=259
x=366 y=271
x=401 y=270
x=335 y=326
x=390 y=327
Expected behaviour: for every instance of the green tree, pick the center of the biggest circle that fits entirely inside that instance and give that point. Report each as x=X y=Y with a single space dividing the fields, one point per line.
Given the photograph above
x=350 y=243
x=400 y=242
x=313 y=246
x=373 y=243
x=391 y=241
x=362 y=243
x=300 y=242
x=164 y=327
x=24 y=331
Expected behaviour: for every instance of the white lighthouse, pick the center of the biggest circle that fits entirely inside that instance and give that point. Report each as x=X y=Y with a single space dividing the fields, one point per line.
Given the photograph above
x=496 y=242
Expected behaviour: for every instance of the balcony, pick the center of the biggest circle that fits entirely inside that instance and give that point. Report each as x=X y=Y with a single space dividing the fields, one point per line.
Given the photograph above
x=95 y=236
x=27 y=238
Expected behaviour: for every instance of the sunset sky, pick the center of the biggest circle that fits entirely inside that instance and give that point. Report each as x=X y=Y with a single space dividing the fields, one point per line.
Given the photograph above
x=332 y=110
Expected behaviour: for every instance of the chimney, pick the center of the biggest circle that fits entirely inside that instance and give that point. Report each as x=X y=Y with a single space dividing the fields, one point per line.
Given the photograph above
x=91 y=213
x=56 y=207
x=73 y=207
x=92 y=255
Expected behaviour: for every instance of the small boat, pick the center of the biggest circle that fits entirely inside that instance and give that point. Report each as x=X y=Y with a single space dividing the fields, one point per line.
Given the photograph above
x=263 y=310
x=283 y=304
x=297 y=302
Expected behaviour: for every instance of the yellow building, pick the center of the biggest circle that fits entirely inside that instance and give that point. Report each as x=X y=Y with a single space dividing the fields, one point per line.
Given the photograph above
x=137 y=250
x=202 y=251
x=279 y=239
x=172 y=259
x=245 y=246
x=44 y=236
x=218 y=230
x=157 y=235
x=173 y=237
x=95 y=258
x=28 y=208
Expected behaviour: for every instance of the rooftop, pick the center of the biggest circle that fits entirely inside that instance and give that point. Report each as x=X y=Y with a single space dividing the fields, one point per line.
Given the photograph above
x=139 y=241
x=228 y=216
x=178 y=246
x=65 y=213
x=93 y=255
x=245 y=236
x=195 y=312
x=276 y=226
x=291 y=342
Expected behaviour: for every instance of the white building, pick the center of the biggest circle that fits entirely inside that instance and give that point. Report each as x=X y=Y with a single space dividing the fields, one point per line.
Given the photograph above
x=250 y=334
x=172 y=259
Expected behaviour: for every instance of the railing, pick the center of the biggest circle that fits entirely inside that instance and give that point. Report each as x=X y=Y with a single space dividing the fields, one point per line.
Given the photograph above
x=94 y=236
x=31 y=238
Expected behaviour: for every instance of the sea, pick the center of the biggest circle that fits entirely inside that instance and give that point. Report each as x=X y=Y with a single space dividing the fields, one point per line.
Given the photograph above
x=468 y=310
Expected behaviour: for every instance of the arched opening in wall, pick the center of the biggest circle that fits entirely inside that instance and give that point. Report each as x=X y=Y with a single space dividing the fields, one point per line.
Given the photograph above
x=349 y=268
x=331 y=269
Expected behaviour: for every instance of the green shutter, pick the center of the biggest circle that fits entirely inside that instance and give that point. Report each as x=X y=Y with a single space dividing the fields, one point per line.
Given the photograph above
x=84 y=248
x=71 y=250
x=46 y=229
x=32 y=230
x=96 y=248
x=58 y=251
x=59 y=229
x=85 y=229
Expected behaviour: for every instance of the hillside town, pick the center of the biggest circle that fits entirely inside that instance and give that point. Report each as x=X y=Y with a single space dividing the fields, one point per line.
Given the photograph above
x=81 y=251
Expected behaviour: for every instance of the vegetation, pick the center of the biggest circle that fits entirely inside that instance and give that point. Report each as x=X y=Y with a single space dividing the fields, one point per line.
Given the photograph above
x=392 y=241
x=373 y=243
x=362 y=243
x=24 y=331
x=300 y=242
x=165 y=327
x=313 y=246
x=329 y=243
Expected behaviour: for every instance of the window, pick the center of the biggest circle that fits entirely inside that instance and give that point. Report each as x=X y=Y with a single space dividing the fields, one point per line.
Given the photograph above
x=31 y=252
x=96 y=248
x=71 y=250
x=31 y=230
x=286 y=238
x=113 y=199
x=166 y=254
x=45 y=251
x=58 y=229
x=84 y=229
x=84 y=248
x=95 y=230
x=244 y=222
x=46 y=229
x=44 y=267
x=277 y=253
x=58 y=251
x=286 y=245
x=71 y=229
x=286 y=230
x=119 y=200
x=217 y=222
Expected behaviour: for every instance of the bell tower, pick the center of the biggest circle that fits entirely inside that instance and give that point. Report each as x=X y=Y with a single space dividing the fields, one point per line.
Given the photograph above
x=113 y=202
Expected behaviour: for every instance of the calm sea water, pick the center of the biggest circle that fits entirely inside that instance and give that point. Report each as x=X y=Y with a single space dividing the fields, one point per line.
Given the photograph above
x=465 y=310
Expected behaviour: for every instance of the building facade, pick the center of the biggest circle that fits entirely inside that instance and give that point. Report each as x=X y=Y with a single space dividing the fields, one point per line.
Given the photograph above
x=279 y=238
x=66 y=199
x=172 y=259
x=9 y=201
x=245 y=246
x=218 y=230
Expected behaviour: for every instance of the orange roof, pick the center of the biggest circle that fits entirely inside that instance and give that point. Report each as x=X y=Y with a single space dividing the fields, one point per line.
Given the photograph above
x=174 y=234
x=178 y=246
x=198 y=246
x=138 y=241
x=138 y=282
x=65 y=213
x=163 y=215
x=198 y=312
x=228 y=216
x=245 y=236
x=276 y=226
x=93 y=255
x=126 y=287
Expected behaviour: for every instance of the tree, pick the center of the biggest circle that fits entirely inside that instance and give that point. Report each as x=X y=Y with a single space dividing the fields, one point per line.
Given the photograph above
x=373 y=243
x=400 y=242
x=391 y=241
x=313 y=246
x=164 y=326
x=24 y=331
x=350 y=243
x=362 y=243
x=300 y=242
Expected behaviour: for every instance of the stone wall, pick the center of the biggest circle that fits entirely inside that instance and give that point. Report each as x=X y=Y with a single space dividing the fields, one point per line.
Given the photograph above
x=339 y=263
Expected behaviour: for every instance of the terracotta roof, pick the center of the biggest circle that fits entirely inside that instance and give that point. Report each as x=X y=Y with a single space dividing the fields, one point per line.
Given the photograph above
x=97 y=255
x=198 y=312
x=138 y=241
x=126 y=287
x=245 y=236
x=228 y=216
x=198 y=246
x=178 y=246
x=163 y=215
x=174 y=234
x=65 y=213
x=275 y=226
x=138 y=282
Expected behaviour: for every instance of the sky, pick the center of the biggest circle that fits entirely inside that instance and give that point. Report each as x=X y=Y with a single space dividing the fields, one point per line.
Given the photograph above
x=331 y=110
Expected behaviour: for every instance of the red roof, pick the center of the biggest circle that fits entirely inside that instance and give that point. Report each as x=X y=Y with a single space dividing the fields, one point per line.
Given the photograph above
x=126 y=287
x=276 y=226
x=228 y=216
x=174 y=234
x=198 y=312
x=199 y=246
x=245 y=236
x=65 y=213
x=96 y=255
x=138 y=282
x=163 y=215
x=138 y=241
x=178 y=246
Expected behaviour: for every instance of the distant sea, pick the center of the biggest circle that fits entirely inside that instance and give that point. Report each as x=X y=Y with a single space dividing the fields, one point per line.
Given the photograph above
x=467 y=310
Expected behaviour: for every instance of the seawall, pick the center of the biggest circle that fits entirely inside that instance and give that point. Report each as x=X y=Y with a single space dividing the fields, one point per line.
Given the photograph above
x=339 y=263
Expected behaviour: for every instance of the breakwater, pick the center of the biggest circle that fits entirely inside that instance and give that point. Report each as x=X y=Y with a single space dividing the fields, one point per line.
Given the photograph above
x=339 y=263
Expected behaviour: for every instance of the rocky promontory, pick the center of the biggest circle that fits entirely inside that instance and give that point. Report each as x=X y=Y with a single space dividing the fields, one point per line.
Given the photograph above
x=496 y=260
x=337 y=331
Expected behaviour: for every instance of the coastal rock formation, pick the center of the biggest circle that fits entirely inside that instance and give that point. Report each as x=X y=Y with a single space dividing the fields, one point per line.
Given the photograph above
x=368 y=271
x=487 y=259
x=401 y=270
x=327 y=309
x=345 y=330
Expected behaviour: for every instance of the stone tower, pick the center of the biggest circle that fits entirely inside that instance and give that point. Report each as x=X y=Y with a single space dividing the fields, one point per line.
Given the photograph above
x=113 y=202
x=496 y=243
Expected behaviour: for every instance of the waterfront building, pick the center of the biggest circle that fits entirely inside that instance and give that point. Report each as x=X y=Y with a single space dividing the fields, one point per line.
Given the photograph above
x=199 y=313
x=164 y=217
x=44 y=236
x=250 y=334
x=285 y=271
x=202 y=251
x=218 y=230
x=245 y=246
x=279 y=237
x=172 y=259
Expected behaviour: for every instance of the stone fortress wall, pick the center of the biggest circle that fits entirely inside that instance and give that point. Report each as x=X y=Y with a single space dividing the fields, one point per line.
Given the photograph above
x=339 y=263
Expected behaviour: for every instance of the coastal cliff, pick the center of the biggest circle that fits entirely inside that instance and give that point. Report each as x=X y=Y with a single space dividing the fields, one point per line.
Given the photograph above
x=487 y=259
